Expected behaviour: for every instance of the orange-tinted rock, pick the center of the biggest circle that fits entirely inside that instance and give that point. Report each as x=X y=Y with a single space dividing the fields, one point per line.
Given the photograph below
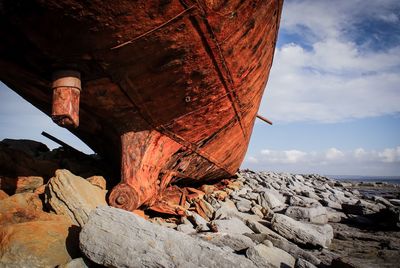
x=25 y=207
x=38 y=244
x=98 y=181
x=20 y=184
x=73 y=196
x=3 y=195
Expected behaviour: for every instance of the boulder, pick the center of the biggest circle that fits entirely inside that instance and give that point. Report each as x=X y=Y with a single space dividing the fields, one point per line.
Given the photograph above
x=311 y=214
x=200 y=223
x=76 y=263
x=395 y=202
x=231 y=226
x=73 y=196
x=98 y=181
x=38 y=244
x=116 y=238
x=301 y=263
x=3 y=195
x=265 y=256
x=271 y=199
x=236 y=242
x=20 y=184
x=243 y=205
x=302 y=233
x=186 y=228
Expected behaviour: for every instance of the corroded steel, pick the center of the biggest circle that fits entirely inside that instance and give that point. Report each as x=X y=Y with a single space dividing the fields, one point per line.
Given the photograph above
x=66 y=88
x=171 y=88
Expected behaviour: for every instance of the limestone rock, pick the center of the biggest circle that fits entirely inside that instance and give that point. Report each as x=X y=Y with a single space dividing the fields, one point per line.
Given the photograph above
x=3 y=195
x=236 y=242
x=117 y=238
x=271 y=199
x=243 y=205
x=20 y=184
x=98 y=181
x=73 y=196
x=231 y=226
x=301 y=263
x=76 y=263
x=311 y=214
x=38 y=244
x=302 y=233
x=265 y=256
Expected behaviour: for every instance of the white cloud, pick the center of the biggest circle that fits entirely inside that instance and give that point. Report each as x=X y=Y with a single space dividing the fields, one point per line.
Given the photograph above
x=337 y=79
x=288 y=157
x=390 y=155
x=334 y=154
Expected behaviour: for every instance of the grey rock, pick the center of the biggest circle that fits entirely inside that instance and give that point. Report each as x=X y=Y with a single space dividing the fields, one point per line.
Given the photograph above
x=265 y=256
x=302 y=233
x=73 y=196
x=395 y=202
x=271 y=199
x=302 y=201
x=301 y=263
x=116 y=238
x=383 y=201
x=186 y=228
x=200 y=223
x=231 y=226
x=243 y=205
x=335 y=216
x=76 y=263
x=312 y=214
x=235 y=242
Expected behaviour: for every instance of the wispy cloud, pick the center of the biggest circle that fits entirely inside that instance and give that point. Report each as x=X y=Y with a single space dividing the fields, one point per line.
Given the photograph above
x=330 y=74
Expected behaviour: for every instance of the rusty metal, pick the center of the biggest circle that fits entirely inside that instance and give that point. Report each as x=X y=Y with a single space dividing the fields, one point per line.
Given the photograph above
x=170 y=92
x=66 y=88
x=266 y=120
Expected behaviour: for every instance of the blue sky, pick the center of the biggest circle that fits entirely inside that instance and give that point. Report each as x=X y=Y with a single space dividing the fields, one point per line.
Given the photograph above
x=333 y=94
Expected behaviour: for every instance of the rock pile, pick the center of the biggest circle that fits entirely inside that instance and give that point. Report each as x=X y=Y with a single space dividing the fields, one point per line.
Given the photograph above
x=257 y=219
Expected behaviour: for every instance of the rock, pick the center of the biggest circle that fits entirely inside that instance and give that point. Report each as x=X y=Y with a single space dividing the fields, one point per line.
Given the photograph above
x=382 y=201
x=302 y=201
x=301 y=263
x=302 y=233
x=116 y=238
x=20 y=184
x=257 y=211
x=38 y=244
x=243 y=205
x=263 y=233
x=227 y=210
x=186 y=228
x=76 y=263
x=236 y=242
x=73 y=196
x=271 y=199
x=98 y=181
x=231 y=226
x=200 y=223
x=265 y=256
x=3 y=195
x=30 y=147
x=335 y=216
x=23 y=207
x=395 y=202
x=312 y=214
x=329 y=203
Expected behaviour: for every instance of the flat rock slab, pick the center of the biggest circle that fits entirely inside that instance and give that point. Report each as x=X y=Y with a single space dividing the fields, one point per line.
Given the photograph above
x=270 y=256
x=301 y=232
x=116 y=238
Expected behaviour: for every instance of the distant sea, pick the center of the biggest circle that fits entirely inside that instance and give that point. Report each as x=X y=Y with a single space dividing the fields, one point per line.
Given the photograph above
x=356 y=178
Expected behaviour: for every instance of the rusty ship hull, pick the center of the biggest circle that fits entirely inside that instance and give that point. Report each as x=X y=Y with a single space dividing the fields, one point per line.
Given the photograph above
x=167 y=89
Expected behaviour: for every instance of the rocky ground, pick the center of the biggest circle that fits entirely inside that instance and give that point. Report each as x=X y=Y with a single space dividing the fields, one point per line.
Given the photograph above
x=54 y=213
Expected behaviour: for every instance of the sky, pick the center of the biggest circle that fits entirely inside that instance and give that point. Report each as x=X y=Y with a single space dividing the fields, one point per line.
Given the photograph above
x=333 y=94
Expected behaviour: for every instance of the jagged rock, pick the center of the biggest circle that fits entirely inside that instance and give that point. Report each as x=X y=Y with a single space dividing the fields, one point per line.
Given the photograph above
x=329 y=203
x=302 y=201
x=335 y=216
x=76 y=263
x=395 y=202
x=73 y=196
x=23 y=207
x=265 y=256
x=20 y=184
x=38 y=244
x=117 y=238
x=231 y=226
x=3 y=195
x=382 y=200
x=271 y=199
x=186 y=228
x=311 y=214
x=98 y=181
x=263 y=233
x=302 y=233
x=227 y=209
x=200 y=223
x=236 y=242
x=243 y=205
x=301 y=263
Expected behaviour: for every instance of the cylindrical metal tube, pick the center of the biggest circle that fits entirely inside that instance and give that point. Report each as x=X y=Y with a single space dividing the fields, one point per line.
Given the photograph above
x=66 y=88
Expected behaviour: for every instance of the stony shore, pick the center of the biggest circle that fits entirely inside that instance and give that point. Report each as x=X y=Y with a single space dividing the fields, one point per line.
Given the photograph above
x=54 y=213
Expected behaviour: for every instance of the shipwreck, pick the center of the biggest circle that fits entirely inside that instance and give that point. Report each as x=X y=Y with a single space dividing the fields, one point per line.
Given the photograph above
x=168 y=89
